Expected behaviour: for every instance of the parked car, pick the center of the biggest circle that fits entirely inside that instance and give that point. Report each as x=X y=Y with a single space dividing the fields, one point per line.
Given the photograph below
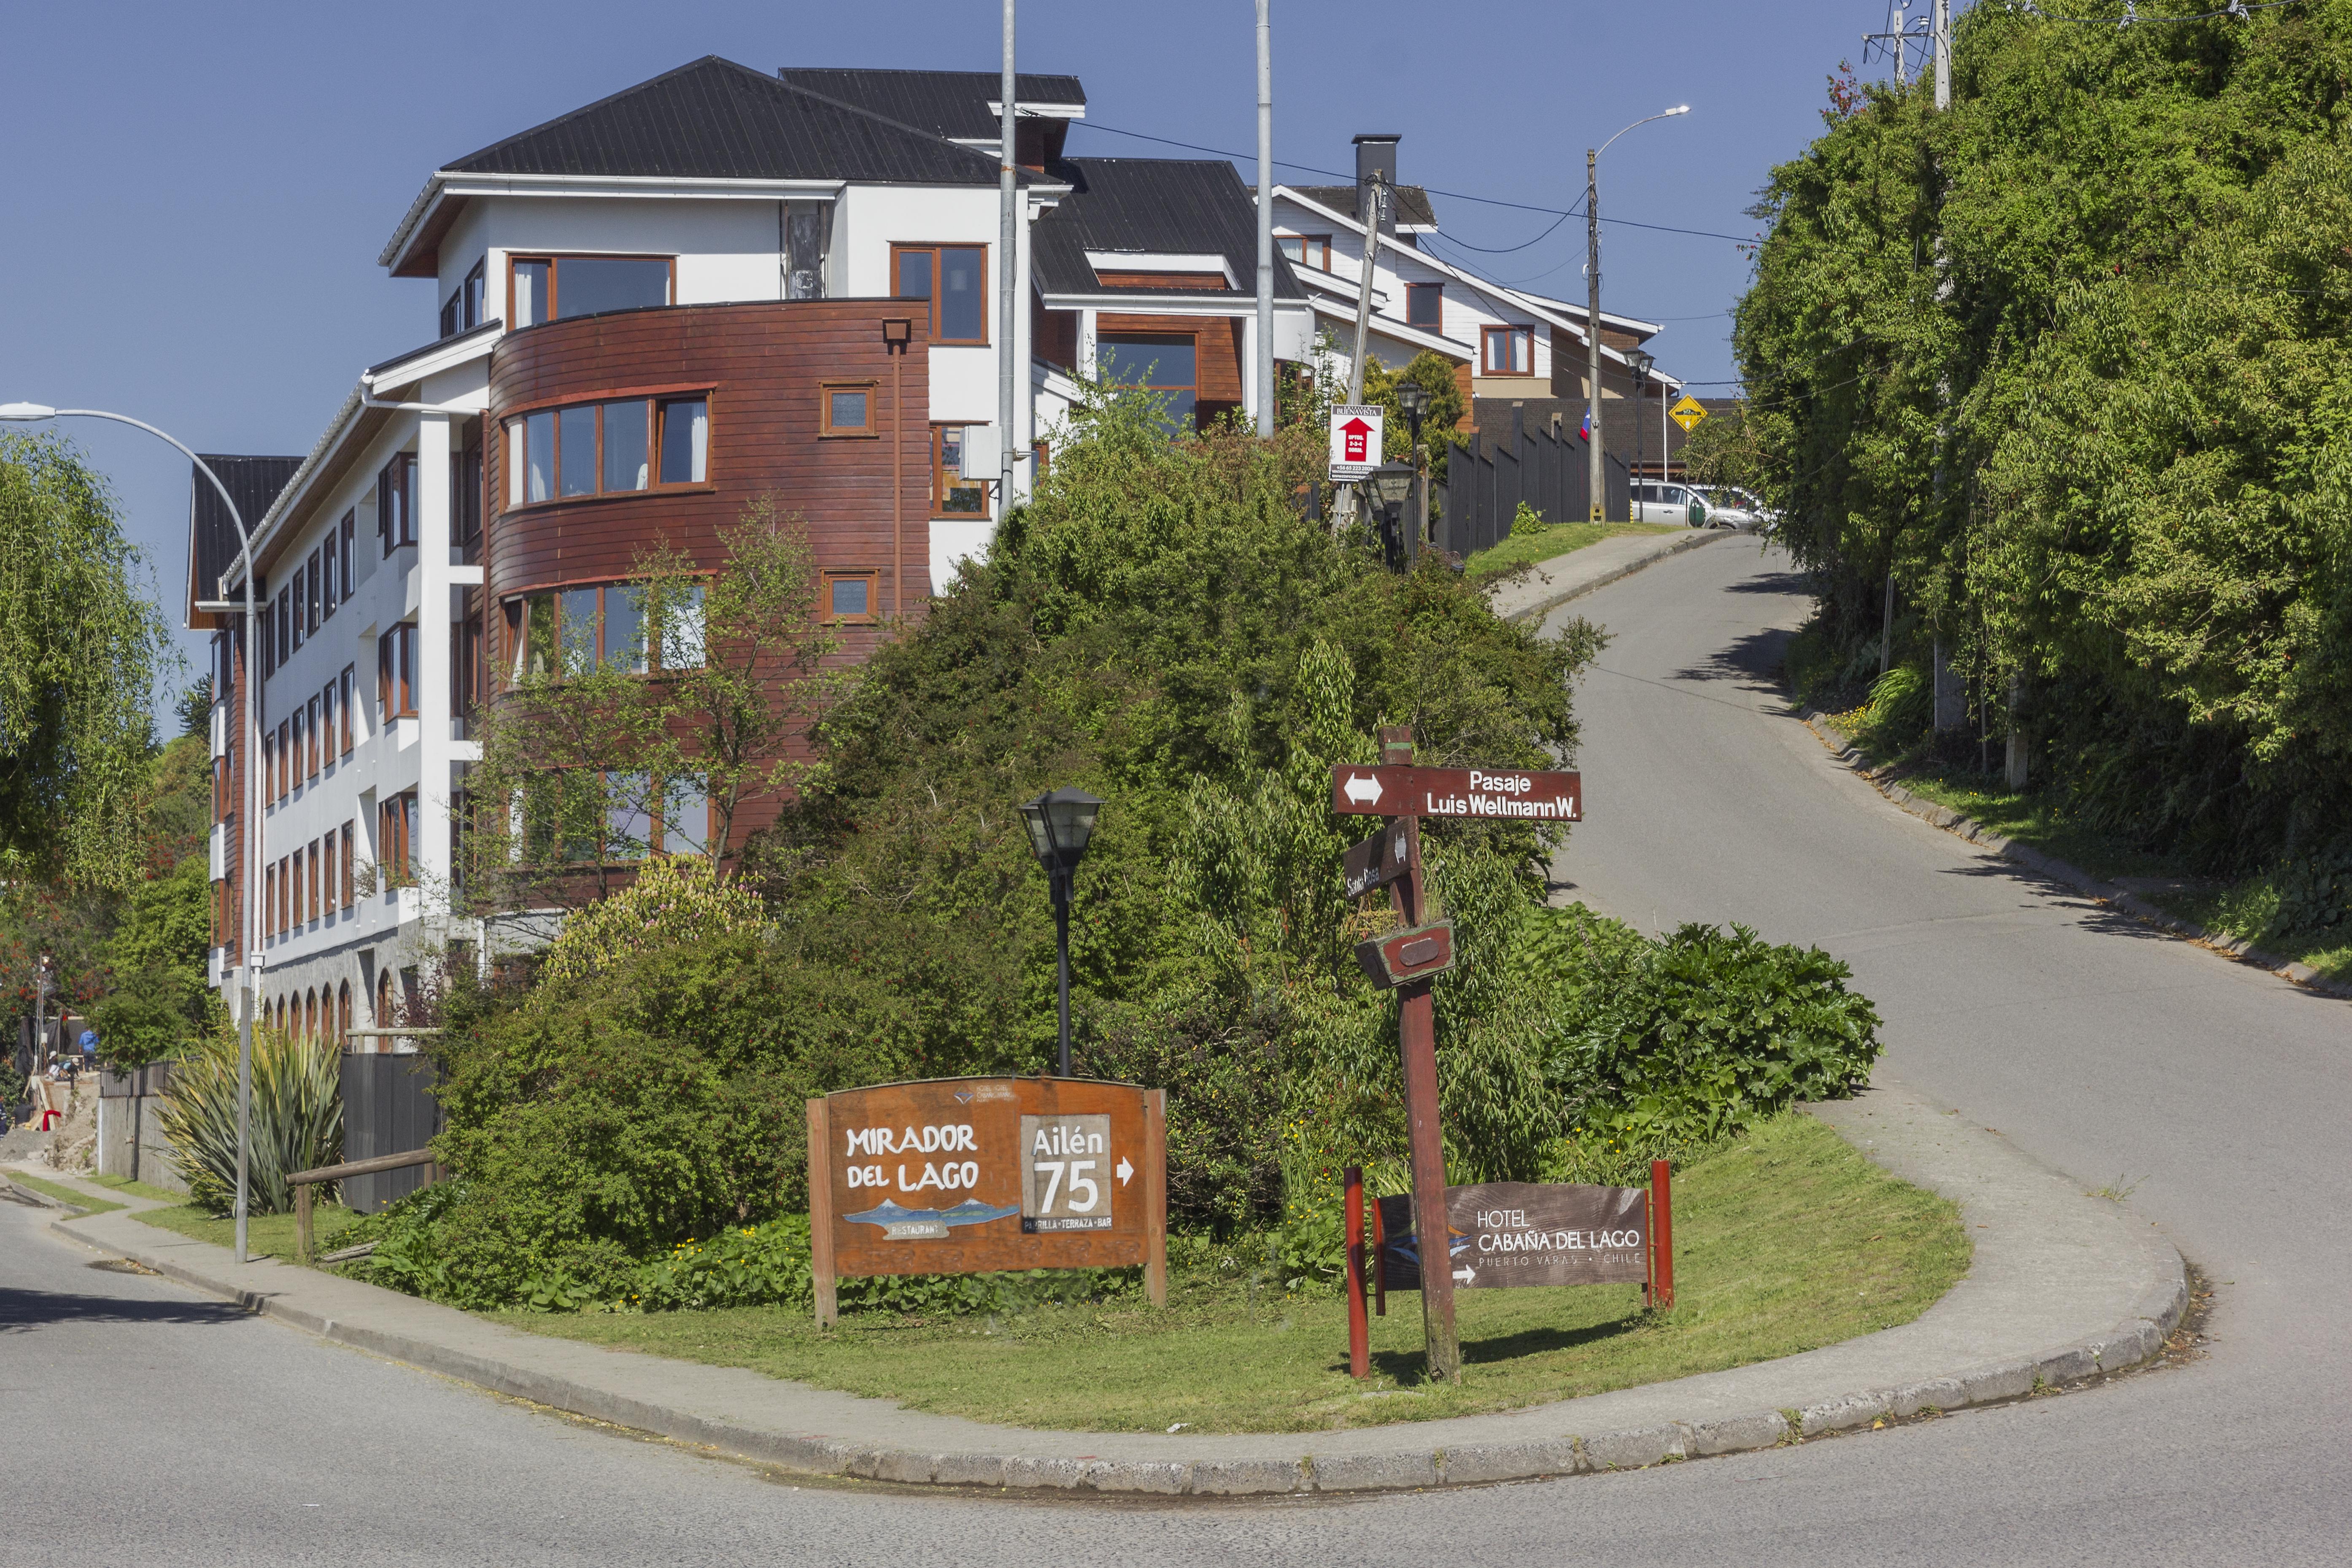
x=1729 y=508
x=1655 y=502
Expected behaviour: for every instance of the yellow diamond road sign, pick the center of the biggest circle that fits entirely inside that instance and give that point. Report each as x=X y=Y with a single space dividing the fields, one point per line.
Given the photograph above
x=1686 y=414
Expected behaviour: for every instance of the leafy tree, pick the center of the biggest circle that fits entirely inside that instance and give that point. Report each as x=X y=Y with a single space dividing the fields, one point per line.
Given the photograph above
x=1720 y=450
x=80 y=650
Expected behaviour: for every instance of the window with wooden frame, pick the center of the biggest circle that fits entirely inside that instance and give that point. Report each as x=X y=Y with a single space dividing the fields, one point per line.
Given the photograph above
x=845 y=409
x=395 y=830
x=327 y=877
x=462 y=310
x=349 y=836
x=851 y=598
x=383 y=999
x=1306 y=249
x=350 y=684
x=555 y=288
x=285 y=758
x=346 y=534
x=396 y=673
x=618 y=447
x=1425 y=306
x=224 y=920
x=467 y=663
x=465 y=494
x=311 y=746
x=223 y=798
x=1506 y=350
x=1163 y=363
x=343 y=1011
x=954 y=494
x=326 y=578
x=295 y=773
x=289 y=616
x=285 y=893
x=395 y=494
x=955 y=279
x=574 y=630
x=310 y=586
x=327 y=724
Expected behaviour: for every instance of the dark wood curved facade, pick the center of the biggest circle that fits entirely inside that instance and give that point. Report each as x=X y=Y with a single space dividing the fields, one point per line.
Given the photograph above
x=766 y=368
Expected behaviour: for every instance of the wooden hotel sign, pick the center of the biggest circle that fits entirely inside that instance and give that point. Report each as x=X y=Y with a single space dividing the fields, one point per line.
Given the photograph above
x=970 y=1175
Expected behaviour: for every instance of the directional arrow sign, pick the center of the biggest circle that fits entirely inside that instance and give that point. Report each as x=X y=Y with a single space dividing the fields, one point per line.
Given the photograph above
x=1466 y=1275
x=1358 y=431
x=1386 y=856
x=1125 y=1170
x=1506 y=793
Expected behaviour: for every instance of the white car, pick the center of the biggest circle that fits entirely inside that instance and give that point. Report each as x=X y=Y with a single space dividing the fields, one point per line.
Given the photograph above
x=1729 y=508
x=1655 y=502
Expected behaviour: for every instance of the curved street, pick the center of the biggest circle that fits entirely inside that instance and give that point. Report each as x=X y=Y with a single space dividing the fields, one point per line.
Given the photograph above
x=2212 y=1096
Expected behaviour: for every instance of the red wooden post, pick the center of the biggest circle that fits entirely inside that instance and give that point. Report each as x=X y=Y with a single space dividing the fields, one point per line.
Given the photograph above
x=1417 y=1041
x=1359 y=1332
x=1662 y=1235
x=820 y=1137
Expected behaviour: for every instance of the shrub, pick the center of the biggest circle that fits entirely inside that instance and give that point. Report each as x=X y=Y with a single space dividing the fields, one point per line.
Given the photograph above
x=675 y=901
x=296 y=1122
x=1526 y=520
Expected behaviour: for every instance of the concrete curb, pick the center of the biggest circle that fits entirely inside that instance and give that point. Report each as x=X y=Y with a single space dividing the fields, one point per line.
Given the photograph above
x=1843 y=749
x=2083 y=1262
x=1668 y=546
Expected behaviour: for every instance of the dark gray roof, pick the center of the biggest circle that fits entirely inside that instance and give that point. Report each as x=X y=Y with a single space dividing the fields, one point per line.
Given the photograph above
x=716 y=120
x=1412 y=202
x=1163 y=205
x=490 y=327
x=945 y=103
x=254 y=483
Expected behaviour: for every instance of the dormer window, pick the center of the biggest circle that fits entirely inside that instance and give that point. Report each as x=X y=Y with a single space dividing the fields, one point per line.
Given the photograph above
x=462 y=312
x=552 y=288
x=1308 y=250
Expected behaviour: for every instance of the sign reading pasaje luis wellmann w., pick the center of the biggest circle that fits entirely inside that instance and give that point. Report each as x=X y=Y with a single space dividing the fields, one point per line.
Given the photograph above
x=971 y=1175
x=1406 y=790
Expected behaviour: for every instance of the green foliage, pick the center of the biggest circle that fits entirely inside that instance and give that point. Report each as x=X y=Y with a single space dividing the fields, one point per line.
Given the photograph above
x=1446 y=407
x=1527 y=520
x=296 y=1119
x=672 y=901
x=1721 y=450
x=1902 y=706
x=80 y=650
x=2074 y=360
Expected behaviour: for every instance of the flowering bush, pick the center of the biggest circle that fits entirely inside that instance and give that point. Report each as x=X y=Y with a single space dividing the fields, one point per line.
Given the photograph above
x=675 y=901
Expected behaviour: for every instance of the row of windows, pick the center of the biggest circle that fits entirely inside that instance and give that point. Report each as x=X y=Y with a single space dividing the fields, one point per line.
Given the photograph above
x=313 y=734
x=311 y=882
x=607 y=448
x=583 y=818
x=323 y=1014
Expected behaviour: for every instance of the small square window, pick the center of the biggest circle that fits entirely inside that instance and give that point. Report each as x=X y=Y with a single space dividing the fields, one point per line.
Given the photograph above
x=847 y=410
x=849 y=596
x=1425 y=305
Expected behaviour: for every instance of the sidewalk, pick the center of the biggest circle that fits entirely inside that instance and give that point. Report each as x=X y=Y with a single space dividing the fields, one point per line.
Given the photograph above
x=2063 y=1287
x=1555 y=581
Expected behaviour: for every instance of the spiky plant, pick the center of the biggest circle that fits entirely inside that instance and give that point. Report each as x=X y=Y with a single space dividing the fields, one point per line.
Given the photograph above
x=296 y=1122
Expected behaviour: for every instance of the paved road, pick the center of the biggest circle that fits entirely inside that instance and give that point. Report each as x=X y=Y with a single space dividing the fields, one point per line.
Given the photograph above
x=194 y=1436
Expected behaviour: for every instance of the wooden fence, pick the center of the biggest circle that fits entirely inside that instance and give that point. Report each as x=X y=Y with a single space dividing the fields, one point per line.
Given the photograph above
x=1487 y=480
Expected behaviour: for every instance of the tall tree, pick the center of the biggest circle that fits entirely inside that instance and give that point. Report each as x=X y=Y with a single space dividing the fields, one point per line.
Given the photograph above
x=81 y=651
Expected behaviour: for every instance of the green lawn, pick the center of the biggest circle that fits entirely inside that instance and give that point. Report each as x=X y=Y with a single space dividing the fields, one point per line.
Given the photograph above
x=272 y=1235
x=1787 y=1240
x=60 y=1190
x=130 y=1188
x=1559 y=538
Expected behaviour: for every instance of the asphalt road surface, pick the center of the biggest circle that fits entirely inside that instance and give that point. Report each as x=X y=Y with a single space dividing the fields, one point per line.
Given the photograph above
x=142 y=1425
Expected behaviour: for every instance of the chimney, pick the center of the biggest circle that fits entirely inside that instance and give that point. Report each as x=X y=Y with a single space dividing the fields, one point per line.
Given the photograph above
x=1377 y=155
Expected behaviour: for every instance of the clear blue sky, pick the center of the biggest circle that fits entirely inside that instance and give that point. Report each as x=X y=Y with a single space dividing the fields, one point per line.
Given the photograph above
x=196 y=194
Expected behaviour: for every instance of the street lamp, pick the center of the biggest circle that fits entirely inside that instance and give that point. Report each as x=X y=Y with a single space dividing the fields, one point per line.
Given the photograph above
x=1391 y=486
x=1640 y=363
x=248 y=954
x=1593 y=469
x=1413 y=398
x=1060 y=823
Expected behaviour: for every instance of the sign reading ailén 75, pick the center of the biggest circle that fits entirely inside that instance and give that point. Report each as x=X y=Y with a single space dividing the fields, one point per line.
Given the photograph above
x=1509 y=793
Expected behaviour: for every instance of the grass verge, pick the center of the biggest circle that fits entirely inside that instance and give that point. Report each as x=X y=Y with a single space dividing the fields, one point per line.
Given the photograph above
x=133 y=1189
x=270 y=1234
x=1787 y=1240
x=63 y=1194
x=1559 y=538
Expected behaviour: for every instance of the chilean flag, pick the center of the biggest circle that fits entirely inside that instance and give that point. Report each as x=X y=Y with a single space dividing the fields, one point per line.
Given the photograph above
x=1585 y=430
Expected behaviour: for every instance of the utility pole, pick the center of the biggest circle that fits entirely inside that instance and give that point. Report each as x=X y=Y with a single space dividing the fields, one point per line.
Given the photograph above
x=1008 y=252
x=1344 y=509
x=1264 y=219
x=1943 y=45
x=1595 y=477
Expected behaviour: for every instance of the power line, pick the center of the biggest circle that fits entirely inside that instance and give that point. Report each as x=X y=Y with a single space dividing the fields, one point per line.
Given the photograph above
x=1433 y=190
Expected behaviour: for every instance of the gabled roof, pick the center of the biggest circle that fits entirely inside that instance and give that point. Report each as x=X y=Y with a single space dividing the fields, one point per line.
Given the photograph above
x=1414 y=210
x=212 y=546
x=953 y=104
x=1151 y=207
x=710 y=119
x=716 y=120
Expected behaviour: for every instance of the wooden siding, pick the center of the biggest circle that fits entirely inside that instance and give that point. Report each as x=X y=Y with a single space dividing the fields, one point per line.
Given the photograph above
x=1216 y=347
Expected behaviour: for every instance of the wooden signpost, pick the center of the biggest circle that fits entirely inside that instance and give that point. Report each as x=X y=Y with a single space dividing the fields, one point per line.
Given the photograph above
x=971 y=1175
x=1410 y=960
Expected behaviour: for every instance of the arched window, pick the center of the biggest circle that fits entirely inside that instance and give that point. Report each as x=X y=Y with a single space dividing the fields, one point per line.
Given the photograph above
x=311 y=1017
x=383 y=1001
x=281 y=1015
x=343 y=1017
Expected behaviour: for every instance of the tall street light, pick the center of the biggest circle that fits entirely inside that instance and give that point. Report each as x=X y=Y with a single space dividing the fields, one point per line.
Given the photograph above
x=1639 y=362
x=1060 y=823
x=249 y=948
x=1595 y=468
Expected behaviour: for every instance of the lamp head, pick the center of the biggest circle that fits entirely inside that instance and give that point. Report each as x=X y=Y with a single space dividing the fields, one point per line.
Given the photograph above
x=1413 y=397
x=1060 y=822
x=1391 y=483
x=1679 y=108
x=26 y=412
x=1640 y=362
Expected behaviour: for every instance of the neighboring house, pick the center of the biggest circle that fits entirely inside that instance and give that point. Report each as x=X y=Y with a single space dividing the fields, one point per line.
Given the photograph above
x=1507 y=345
x=645 y=313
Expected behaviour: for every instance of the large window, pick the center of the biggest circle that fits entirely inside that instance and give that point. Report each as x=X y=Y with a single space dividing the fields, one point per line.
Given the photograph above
x=350 y=684
x=953 y=492
x=462 y=312
x=1163 y=363
x=605 y=626
x=1506 y=350
x=1425 y=305
x=552 y=288
x=396 y=673
x=954 y=278
x=395 y=494
x=607 y=448
x=1308 y=250
x=349 y=836
x=395 y=838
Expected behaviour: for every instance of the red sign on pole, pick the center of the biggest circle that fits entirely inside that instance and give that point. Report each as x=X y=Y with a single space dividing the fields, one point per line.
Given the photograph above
x=1509 y=793
x=1355 y=430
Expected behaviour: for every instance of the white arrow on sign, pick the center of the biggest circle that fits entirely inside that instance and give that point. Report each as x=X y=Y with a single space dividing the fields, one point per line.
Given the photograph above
x=1362 y=788
x=1466 y=1275
x=1125 y=1170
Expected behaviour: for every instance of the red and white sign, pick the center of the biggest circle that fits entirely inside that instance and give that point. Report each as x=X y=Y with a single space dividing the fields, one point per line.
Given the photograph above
x=1357 y=432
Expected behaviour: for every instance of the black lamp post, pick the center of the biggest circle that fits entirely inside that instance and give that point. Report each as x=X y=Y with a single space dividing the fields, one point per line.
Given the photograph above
x=1414 y=399
x=1391 y=485
x=1060 y=823
x=1640 y=363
